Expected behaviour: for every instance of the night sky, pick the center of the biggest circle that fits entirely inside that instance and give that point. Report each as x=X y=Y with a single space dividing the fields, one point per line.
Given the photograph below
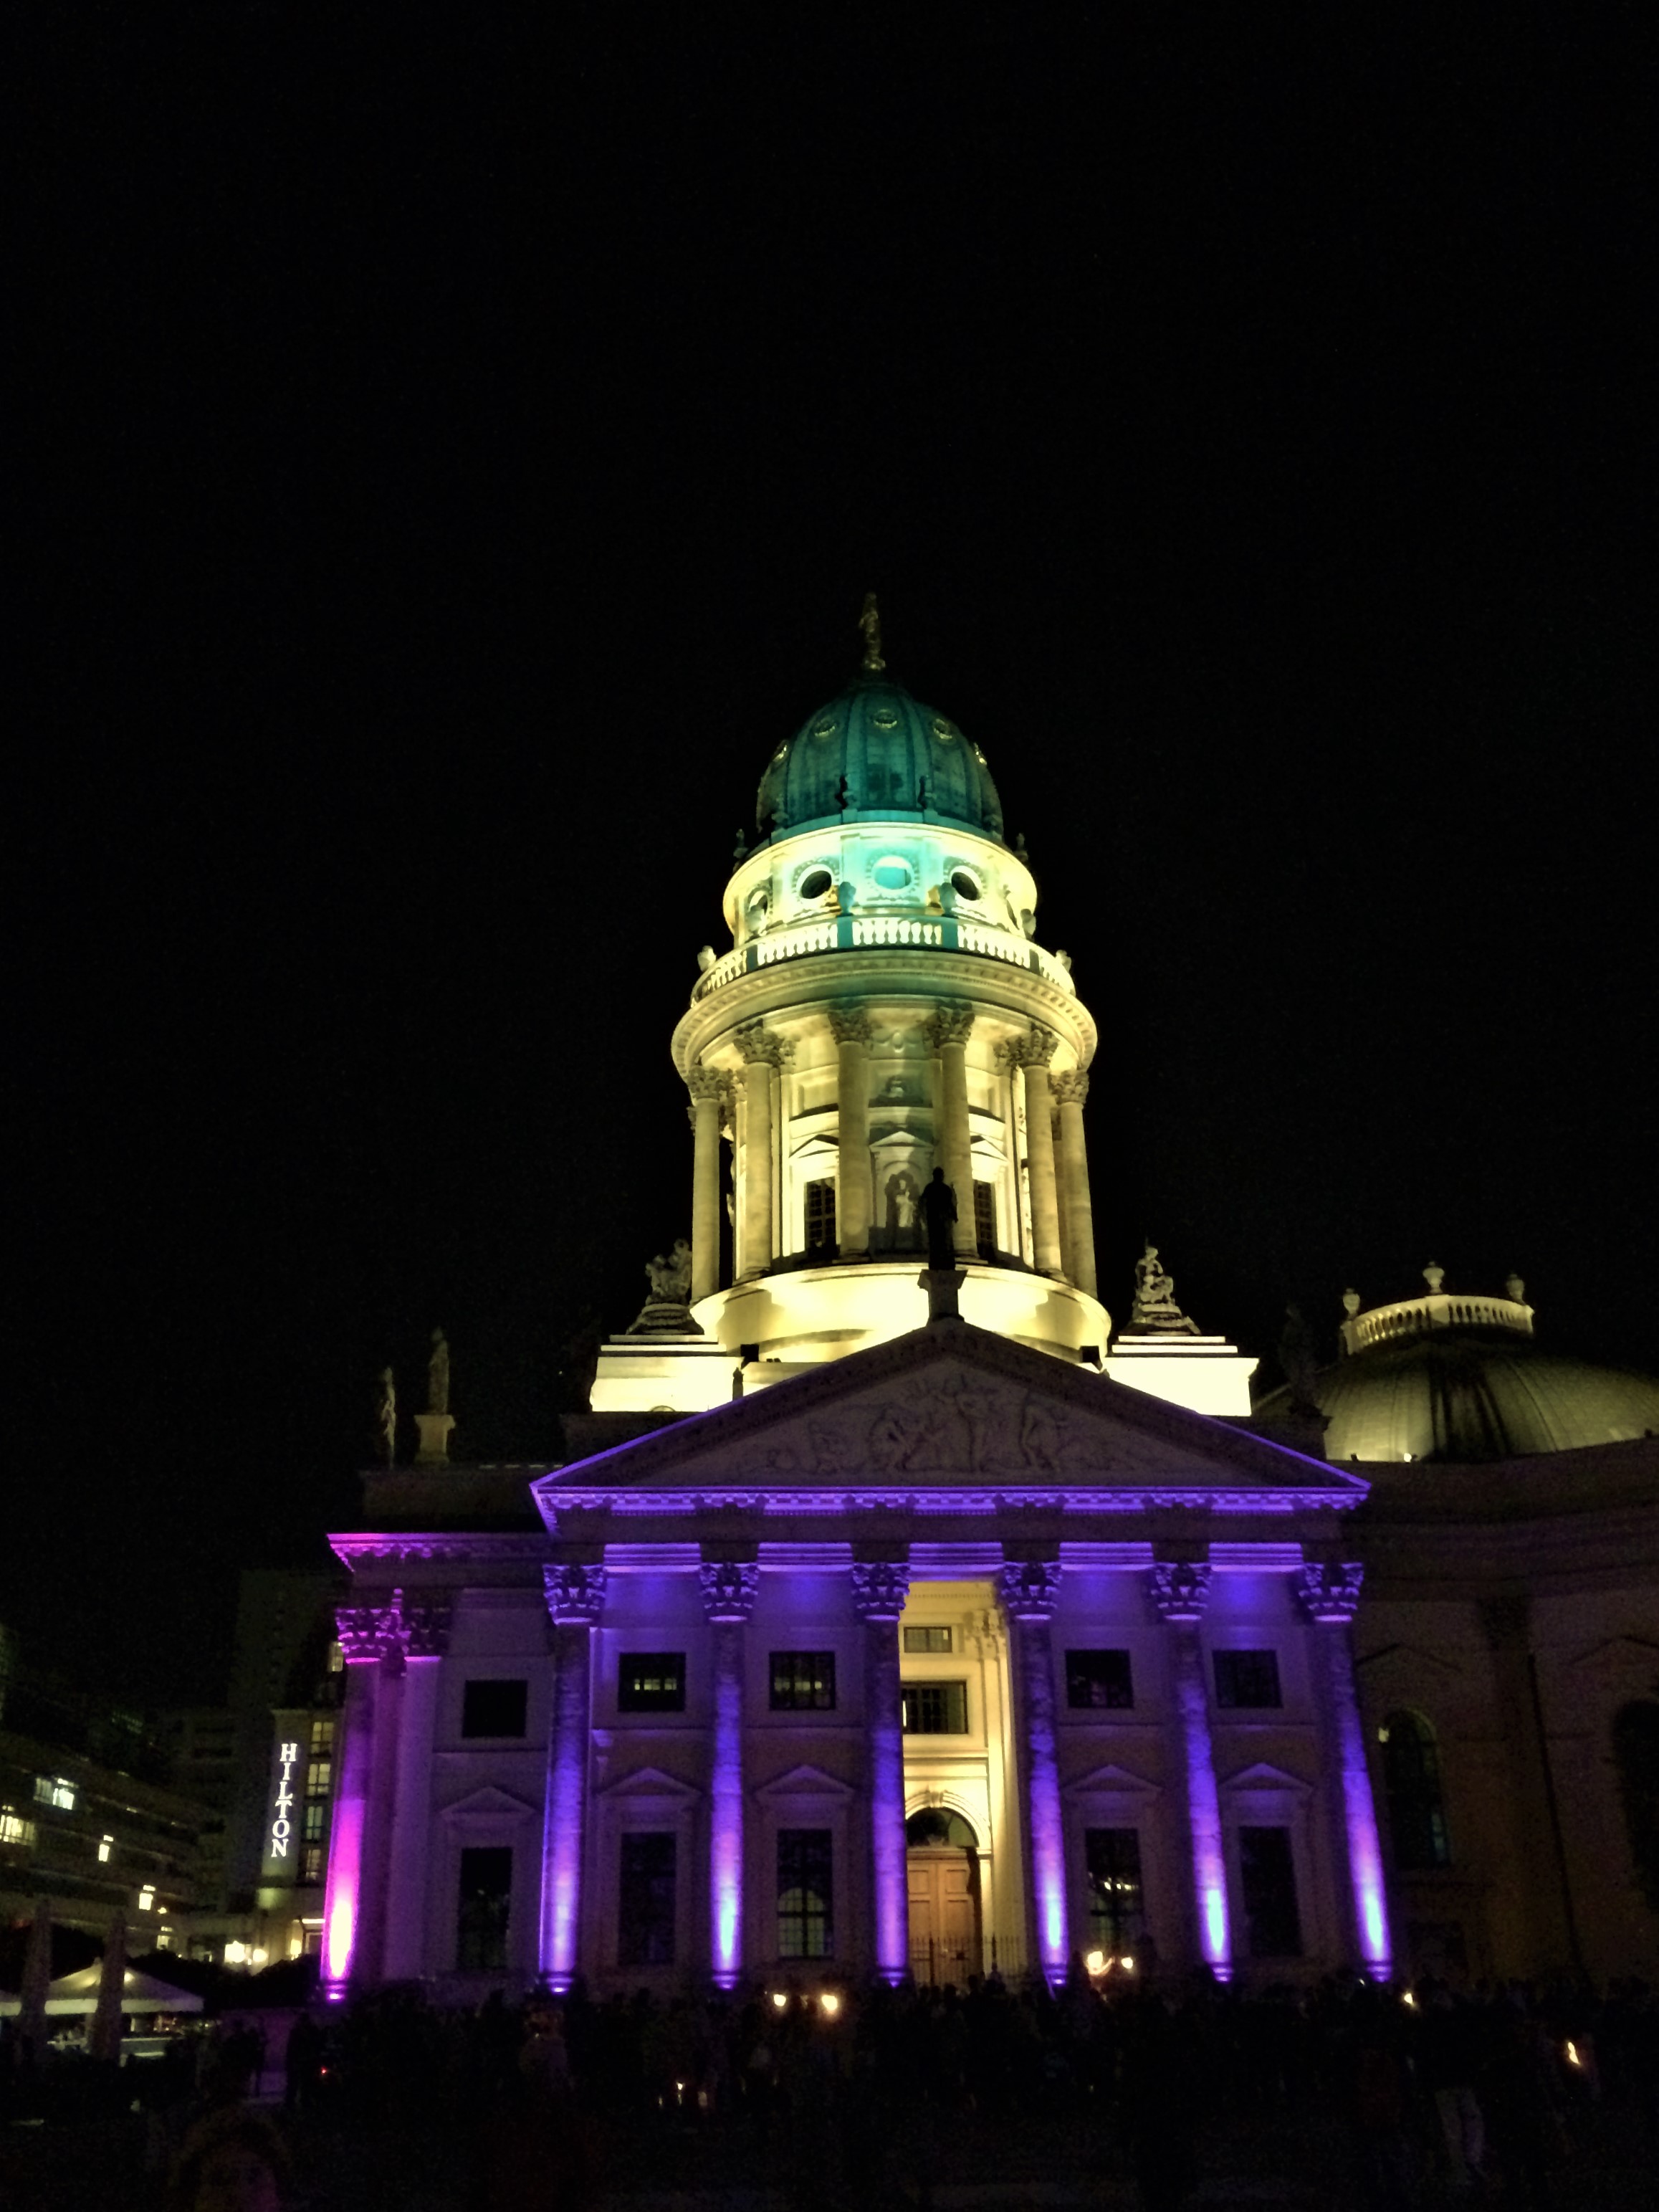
x=453 y=456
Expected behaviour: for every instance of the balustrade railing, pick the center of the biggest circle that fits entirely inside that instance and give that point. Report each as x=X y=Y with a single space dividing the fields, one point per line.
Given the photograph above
x=1410 y=1317
x=858 y=931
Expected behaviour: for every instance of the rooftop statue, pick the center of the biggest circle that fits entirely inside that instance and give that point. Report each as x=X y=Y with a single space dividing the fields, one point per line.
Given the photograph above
x=667 y=1311
x=870 y=623
x=670 y=1279
x=437 y=1375
x=1154 y=1306
x=385 y=1416
x=938 y=1208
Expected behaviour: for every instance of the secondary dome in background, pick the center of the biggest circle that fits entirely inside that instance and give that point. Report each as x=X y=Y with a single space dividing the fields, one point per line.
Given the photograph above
x=1460 y=1379
x=875 y=753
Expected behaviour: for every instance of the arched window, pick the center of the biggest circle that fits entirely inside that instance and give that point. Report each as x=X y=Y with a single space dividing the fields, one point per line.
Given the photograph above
x=1411 y=1782
x=1636 y=1753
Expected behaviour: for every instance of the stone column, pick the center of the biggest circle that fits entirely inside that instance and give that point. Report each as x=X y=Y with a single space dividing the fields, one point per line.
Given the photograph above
x=1070 y=1093
x=850 y=1026
x=361 y=1644
x=1329 y=1596
x=728 y=1597
x=707 y=1090
x=948 y=1033
x=425 y=1636
x=1180 y=1593
x=879 y=1589
x=761 y=1053
x=1034 y=1053
x=576 y=1599
x=1028 y=1590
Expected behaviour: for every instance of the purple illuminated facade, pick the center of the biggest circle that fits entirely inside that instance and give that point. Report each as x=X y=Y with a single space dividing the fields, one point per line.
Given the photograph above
x=708 y=1713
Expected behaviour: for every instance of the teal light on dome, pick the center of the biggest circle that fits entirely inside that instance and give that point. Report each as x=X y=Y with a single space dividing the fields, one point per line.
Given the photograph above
x=876 y=754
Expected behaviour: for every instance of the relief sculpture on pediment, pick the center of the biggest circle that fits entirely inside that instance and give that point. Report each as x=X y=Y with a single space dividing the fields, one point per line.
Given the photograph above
x=960 y=1427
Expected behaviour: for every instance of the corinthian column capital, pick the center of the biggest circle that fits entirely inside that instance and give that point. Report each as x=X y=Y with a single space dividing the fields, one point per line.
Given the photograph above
x=399 y=1629
x=576 y=1594
x=1070 y=1089
x=952 y=1024
x=757 y=1043
x=705 y=1083
x=1029 y=1588
x=850 y=1024
x=729 y=1587
x=1330 y=1595
x=1036 y=1048
x=1181 y=1590
x=879 y=1588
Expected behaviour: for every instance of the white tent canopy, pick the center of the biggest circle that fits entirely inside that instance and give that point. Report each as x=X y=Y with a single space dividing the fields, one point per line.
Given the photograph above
x=78 y=1993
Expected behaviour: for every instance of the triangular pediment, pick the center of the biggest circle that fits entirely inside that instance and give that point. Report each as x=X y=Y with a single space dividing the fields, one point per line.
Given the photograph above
x=803 y=1782
x=950 y=1406
x=650 y=1782
x=488 y=1808
x=1262 y=1778
x=1112 y=1781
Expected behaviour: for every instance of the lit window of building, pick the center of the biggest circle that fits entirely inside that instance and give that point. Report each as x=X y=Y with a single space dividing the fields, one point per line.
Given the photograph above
x=146 y=1899
x=55 y=1789
x=106 y=1845
x=14 y=1828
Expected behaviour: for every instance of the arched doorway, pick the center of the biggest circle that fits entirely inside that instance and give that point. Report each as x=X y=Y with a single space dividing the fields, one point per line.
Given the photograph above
x=942 y=1862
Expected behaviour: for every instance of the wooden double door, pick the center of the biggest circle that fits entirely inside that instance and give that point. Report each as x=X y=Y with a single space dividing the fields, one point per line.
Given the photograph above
x=946 y=1934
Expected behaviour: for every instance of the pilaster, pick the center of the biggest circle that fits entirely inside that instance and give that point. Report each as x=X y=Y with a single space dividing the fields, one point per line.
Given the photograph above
x=709 y=1091
x=1033 y=1052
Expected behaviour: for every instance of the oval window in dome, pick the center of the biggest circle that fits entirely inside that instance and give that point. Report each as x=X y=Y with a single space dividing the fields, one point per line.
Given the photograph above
x=815 y=883
x=884 y=719
x=824 y=729
x=942 y=729
x=783 y=752
x=964 y=884
x=891 y=873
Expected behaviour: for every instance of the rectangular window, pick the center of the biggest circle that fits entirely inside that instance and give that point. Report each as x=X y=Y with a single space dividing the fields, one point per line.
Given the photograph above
x=805 y=1894
x=322 y=1736
x=927 y=1639
x=1112 y=1859
x=1267 y=1880
x=315 y=1814
x=14 y=1828
x=984 y=1219
x=320 y=1778
x=1246 y=1679
x=821 y=1217
x=106 y=1846
x=311 y=1864
x=651 y=1682
x=336 y=1658
x=483 y=1907
x=936 y=1708
x=492 y=1708
x=54 y=1790
x=1099 y=1679
x=644 y=1917
x=803 y=1681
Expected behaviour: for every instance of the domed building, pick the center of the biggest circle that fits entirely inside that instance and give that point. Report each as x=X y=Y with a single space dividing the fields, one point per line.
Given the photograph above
x=898 y=1615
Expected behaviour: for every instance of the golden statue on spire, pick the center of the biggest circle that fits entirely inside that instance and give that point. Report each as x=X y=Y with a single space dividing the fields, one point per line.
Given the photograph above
x=870 y=623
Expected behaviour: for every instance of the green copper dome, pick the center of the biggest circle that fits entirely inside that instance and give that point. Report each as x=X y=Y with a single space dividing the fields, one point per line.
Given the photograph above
x=876 y=754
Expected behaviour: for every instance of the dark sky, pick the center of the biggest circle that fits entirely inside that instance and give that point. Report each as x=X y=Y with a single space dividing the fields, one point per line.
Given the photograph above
x=451 y=459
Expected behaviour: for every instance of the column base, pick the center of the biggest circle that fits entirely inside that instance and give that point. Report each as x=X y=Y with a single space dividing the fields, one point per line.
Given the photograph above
x=435 y=1430
x=944 y=1289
